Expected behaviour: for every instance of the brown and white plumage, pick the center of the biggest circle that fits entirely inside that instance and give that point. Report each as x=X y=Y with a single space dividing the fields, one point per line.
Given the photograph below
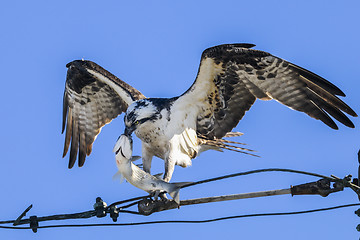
x=230 y=78
x=235 y=76
x=92 y=98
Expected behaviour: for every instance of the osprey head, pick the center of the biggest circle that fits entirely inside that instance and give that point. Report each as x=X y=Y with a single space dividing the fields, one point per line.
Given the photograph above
x=137 y=113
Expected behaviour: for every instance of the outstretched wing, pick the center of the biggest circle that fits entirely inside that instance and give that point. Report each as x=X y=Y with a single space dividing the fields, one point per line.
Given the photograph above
x=92 y=98
x=232 y=76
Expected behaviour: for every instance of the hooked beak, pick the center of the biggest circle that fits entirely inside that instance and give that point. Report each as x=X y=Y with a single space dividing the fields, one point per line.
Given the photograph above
x=128 y=131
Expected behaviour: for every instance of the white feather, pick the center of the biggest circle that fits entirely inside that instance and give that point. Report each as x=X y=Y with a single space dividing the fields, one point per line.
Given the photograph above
x=122 y=93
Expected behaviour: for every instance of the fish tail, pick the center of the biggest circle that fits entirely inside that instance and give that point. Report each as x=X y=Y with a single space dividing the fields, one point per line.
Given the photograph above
x=175 y=193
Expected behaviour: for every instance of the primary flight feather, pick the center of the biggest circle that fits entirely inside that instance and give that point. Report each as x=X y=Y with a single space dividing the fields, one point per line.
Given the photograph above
x=229 y=80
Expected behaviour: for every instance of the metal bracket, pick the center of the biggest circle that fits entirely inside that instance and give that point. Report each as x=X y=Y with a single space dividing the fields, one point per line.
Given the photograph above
x=17 y=221
x=149 y=206
x=321 y=187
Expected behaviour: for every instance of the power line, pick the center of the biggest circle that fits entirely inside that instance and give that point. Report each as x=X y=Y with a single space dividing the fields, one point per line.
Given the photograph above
x=188 y=221
x=147 y=206
x=259 y=171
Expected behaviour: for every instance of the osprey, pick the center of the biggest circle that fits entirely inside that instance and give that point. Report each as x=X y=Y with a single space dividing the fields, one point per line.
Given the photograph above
x=229 y=80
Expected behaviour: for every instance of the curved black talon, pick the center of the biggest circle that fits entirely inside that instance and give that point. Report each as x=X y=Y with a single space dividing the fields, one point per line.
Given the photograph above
x=163 y=196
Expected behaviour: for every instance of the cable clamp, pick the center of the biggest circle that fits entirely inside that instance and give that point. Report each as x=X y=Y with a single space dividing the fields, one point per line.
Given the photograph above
x=321 y=187
x=100 y=207
x=34 y=223
x=114 y=213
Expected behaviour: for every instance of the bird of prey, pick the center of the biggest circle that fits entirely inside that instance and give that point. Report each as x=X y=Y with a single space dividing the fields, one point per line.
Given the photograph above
x=229 y=80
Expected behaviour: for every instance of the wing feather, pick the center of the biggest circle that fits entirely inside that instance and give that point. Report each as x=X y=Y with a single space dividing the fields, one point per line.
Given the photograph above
x=318 y=80
x=74 y=143
x=327 y=96
x=232 y=76
x=92 y=98
x=336 y=113
x=68 y=132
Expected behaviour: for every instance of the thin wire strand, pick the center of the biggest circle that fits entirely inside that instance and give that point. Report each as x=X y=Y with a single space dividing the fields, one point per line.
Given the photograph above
x=128 y=200
x=189 y=221
x=258 y=171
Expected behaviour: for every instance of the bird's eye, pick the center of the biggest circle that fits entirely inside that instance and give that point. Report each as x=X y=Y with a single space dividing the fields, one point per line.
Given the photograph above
x=137 y=122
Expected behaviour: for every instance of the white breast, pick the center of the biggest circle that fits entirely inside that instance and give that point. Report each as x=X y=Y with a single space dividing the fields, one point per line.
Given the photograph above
x=173 y=135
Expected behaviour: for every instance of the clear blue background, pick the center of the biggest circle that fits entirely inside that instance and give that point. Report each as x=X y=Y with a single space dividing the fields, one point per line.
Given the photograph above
x=156 y=47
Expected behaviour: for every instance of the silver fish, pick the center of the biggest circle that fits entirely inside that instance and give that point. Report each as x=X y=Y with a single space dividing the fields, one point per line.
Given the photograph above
x=136 y=176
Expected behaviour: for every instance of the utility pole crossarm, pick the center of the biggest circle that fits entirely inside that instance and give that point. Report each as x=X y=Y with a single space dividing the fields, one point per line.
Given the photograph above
x=321 y=187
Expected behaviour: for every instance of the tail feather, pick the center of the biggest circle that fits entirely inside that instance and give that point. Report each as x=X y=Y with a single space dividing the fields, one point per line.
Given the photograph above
x=226 y=144
x=233 y=134
x=233 y=148
x=221 y=144
x=228 y=141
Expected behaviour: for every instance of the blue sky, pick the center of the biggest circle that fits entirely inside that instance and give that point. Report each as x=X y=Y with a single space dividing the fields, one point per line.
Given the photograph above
x=156 y=47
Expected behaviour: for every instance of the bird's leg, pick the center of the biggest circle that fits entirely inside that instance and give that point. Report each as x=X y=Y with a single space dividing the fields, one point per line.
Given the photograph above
x=146 y=165
x=169 y=168
x=146 y=159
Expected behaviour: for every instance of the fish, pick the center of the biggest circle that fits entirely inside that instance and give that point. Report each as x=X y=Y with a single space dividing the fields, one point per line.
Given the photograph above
x=138 y=177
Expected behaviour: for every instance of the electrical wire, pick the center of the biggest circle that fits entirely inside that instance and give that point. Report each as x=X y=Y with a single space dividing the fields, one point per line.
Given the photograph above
x=228 y=176
x=134 y=201
x=188 y=221
x=258 y=171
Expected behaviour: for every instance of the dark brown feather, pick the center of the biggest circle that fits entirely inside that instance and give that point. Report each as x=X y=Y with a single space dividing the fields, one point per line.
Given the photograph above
x=68 y=132
x=328 y=97
x=334 y=112
x=90 y=103
x=321 y=82
x=247 y=74
x=65 y=111
x=74 y=144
